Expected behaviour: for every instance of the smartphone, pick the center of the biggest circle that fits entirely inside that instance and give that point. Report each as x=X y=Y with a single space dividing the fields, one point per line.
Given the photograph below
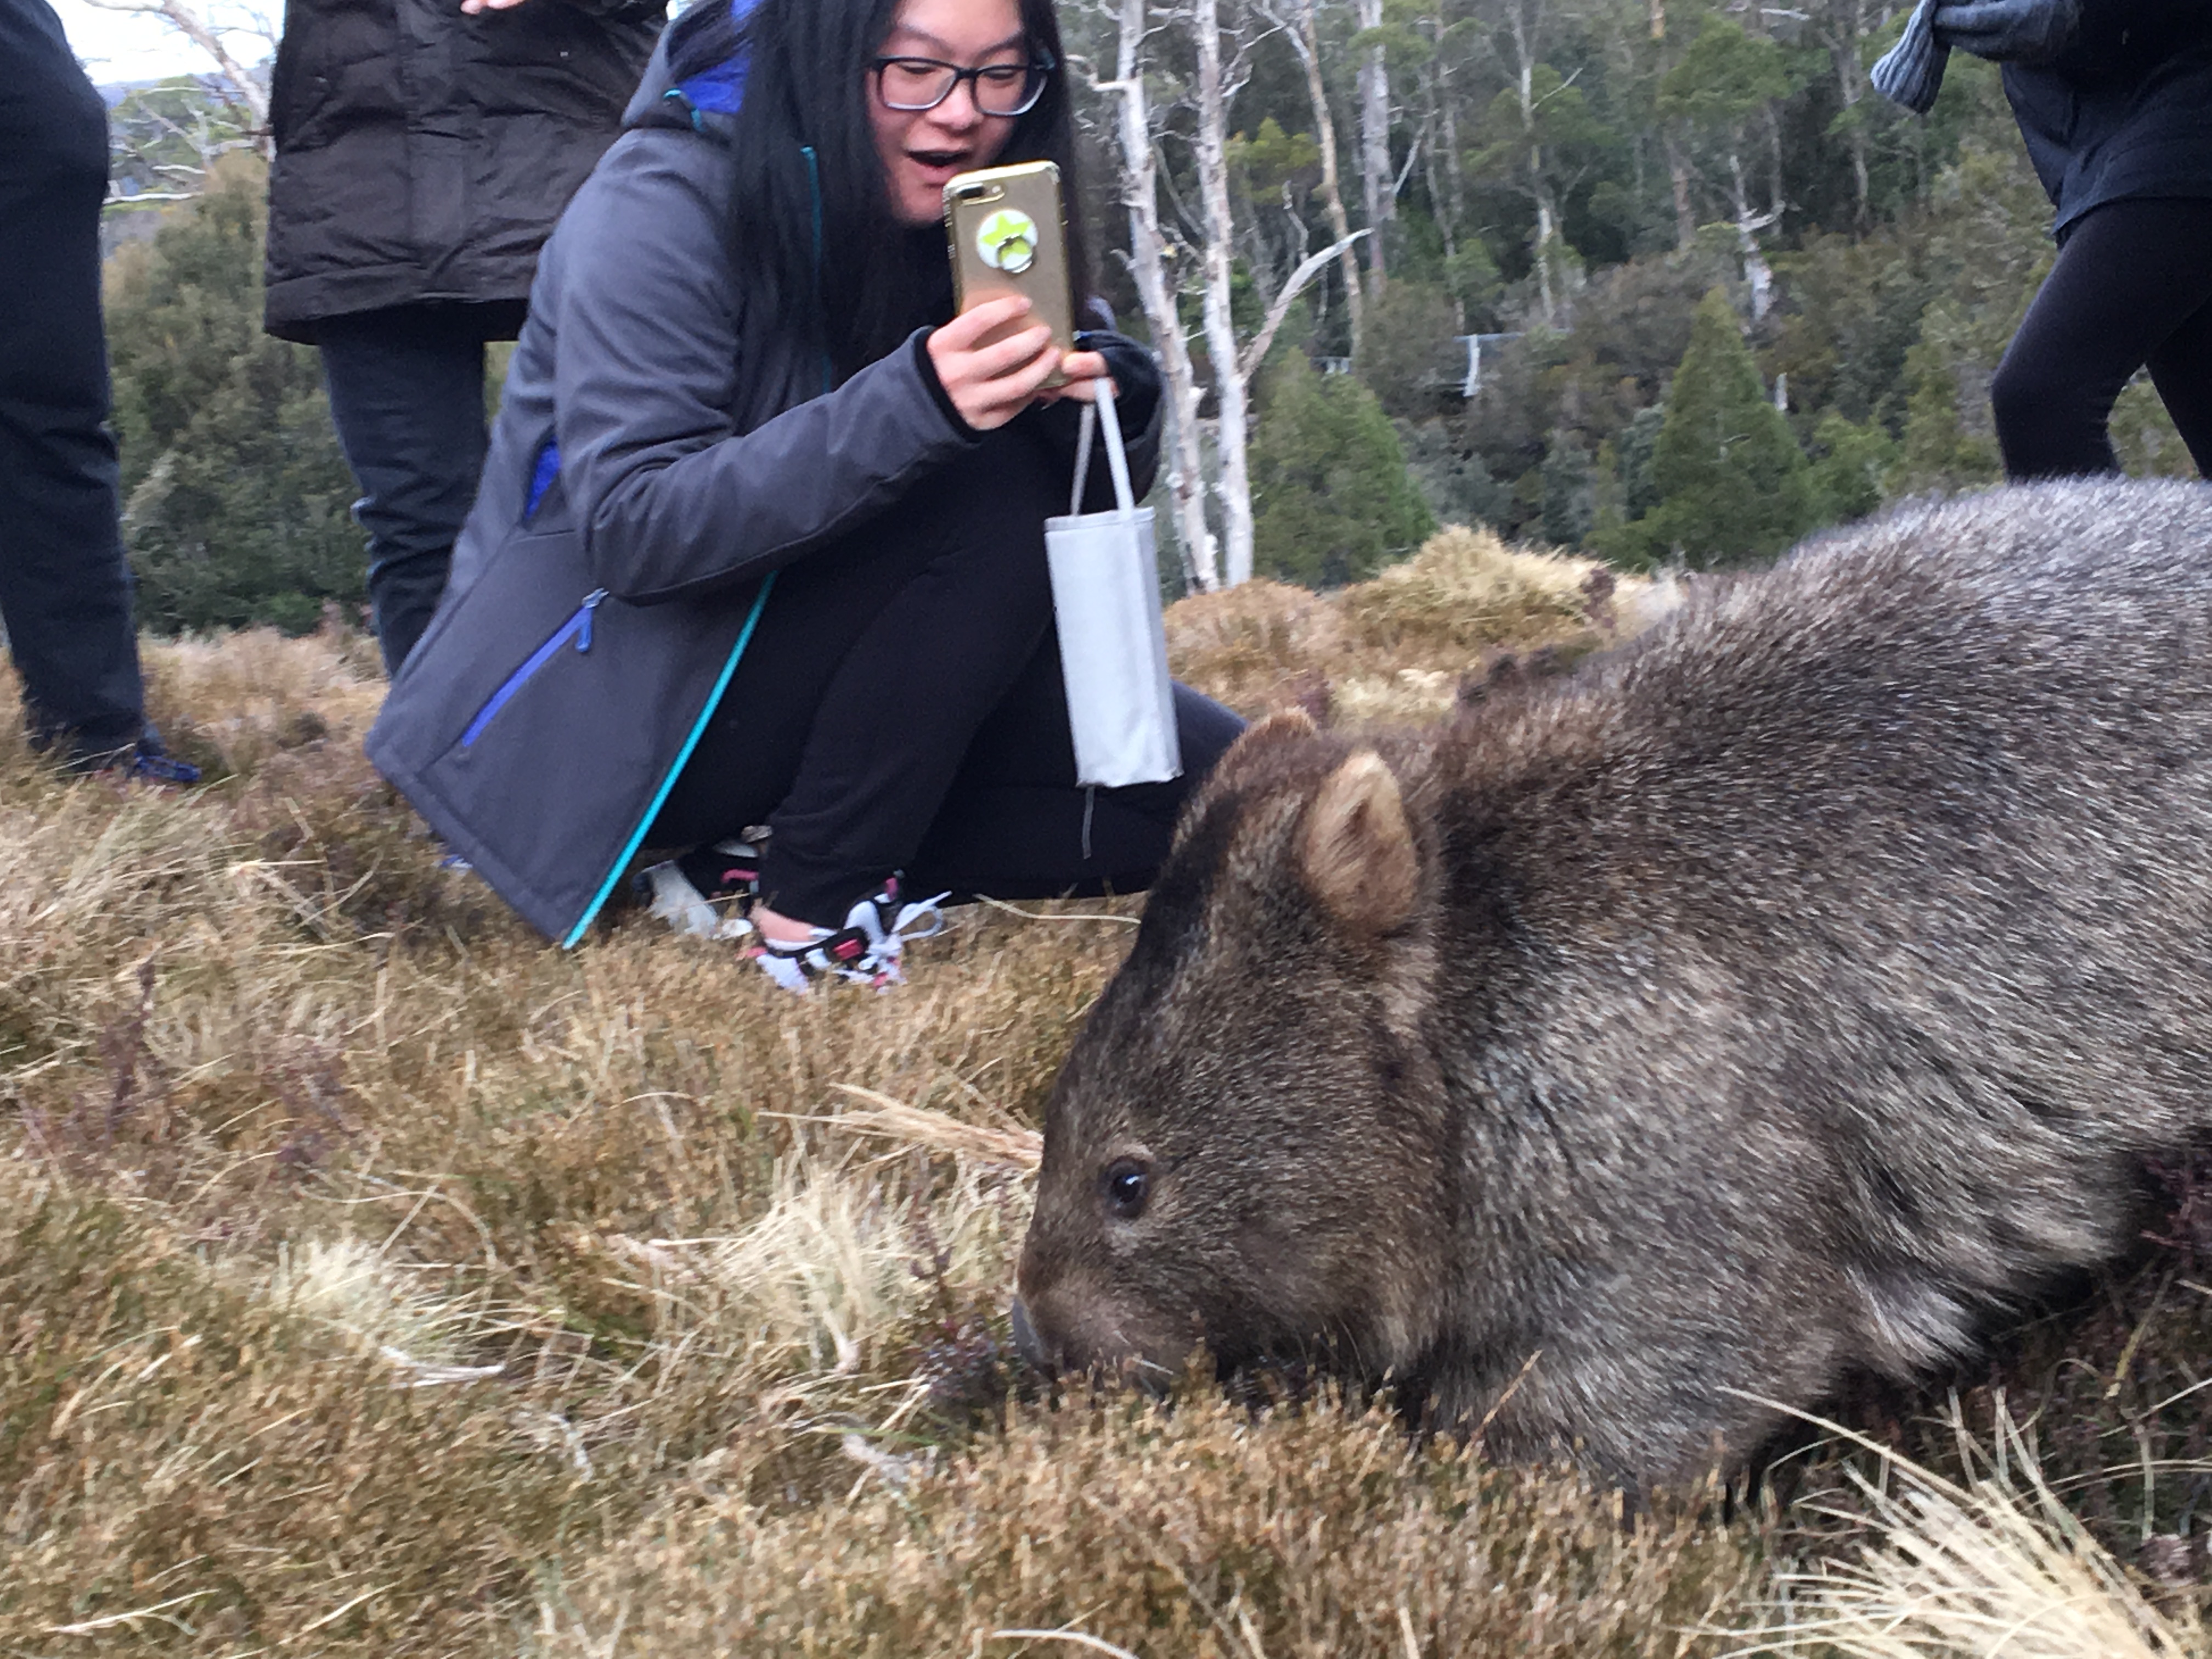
x=1009 y=235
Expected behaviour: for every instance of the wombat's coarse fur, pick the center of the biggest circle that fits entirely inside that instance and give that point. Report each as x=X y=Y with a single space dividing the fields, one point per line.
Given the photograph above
x=1784 y=994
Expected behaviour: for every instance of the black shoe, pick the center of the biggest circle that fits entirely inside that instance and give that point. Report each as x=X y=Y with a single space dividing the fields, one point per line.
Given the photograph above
x=144 y=762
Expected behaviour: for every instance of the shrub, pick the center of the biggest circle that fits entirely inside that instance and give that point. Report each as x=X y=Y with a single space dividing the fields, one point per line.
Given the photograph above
x=1332 y=500
x=235 y=493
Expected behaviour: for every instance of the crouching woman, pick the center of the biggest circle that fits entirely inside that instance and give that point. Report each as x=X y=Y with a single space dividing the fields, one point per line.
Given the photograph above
x=759 y=539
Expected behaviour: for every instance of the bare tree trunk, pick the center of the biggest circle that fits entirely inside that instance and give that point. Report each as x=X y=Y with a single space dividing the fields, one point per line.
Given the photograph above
x=1305 y=39
x=1547 y=213
x=1849 y=16
x=1374 y=174
x=1148 y=265
x=1210 y=147
x=1756 y=271
x=1436 y=119
x=1686 y=219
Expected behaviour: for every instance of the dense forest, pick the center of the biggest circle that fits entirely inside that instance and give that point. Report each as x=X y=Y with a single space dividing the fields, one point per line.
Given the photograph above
x=1661 y=280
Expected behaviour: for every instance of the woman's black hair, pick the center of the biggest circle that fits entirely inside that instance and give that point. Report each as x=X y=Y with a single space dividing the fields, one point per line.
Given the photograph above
x=815 y=235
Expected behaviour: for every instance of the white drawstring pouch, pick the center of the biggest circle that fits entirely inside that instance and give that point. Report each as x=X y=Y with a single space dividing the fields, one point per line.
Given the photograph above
x=1112 y=646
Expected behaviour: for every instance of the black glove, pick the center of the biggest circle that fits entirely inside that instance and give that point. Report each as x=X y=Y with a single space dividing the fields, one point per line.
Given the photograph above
x=2008 y=31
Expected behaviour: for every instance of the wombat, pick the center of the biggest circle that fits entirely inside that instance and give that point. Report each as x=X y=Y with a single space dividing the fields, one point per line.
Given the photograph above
x=1626 y=1063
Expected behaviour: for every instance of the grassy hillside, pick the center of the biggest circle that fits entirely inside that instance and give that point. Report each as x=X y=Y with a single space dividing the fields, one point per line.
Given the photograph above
x=375 y=1278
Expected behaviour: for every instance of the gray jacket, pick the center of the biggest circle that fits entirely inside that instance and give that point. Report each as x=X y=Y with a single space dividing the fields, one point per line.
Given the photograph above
x=661 y=448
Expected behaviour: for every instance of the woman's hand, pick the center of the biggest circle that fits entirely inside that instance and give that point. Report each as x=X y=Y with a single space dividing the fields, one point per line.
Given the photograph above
x=1083 y=370
x=989 y=385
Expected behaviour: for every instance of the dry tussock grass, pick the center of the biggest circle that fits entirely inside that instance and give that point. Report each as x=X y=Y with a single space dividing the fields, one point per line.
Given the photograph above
x=375 y=1278
x=1987 y=1564
x=1210 y=1532
x=1396 y=648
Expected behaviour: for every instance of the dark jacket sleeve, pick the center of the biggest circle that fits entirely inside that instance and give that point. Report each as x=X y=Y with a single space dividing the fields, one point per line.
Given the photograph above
x=620 y=10
x=1139 y=406
x=673 y=499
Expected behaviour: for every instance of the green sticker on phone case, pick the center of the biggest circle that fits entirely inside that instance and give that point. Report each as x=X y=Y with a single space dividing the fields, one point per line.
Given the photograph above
x=1008 y=241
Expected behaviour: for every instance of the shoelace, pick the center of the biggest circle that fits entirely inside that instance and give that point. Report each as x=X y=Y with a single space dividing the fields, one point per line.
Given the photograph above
x=864 y=950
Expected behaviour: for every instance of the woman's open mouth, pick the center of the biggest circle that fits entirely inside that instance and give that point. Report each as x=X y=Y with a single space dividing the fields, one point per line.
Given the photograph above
x=938 y=166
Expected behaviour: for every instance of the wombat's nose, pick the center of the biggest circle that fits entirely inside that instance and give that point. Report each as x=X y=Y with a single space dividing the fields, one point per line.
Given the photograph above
x=1026 y=1342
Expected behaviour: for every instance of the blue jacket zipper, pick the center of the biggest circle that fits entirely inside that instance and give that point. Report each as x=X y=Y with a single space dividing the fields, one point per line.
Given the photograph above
x=730 y=664
x=577 y=628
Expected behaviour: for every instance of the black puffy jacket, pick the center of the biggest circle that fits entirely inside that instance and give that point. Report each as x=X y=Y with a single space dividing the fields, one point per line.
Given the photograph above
x=2125 y=111
x=423 y=155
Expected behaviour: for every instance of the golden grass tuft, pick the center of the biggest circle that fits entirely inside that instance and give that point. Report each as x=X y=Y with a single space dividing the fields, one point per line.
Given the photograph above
x=1397 y=647
x=1988 y=1565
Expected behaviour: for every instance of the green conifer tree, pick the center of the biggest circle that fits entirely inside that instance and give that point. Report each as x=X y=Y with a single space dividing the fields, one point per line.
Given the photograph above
x=235 y=493
x=1332 y=500
x=1732 y=484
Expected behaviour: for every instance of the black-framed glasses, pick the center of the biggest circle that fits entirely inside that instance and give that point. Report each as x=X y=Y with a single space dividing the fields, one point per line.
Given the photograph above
x=913 y=84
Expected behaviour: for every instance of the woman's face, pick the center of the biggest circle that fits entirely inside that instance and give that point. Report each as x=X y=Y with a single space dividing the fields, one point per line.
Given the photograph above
x=922 y=148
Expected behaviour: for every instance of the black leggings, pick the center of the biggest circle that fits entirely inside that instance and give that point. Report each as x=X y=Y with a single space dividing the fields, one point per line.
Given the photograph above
x=901 y=708
x=2132 y=288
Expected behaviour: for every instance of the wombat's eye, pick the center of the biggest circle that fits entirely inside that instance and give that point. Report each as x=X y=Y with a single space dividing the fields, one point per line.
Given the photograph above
x=1128 y=1184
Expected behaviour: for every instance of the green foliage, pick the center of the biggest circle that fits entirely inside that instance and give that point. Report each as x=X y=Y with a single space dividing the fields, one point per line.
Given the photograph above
x=1732 y=484
x=1570 y=491
x=1853 y=462
x=1725 y=76
x=1558 y=119
x=2144 y=437
x=235 y=493
x=1332 y=501
x=1271 y=157
x=1639 y=439
x=1407 y=356
x=1453 y=480
x=1938 y=452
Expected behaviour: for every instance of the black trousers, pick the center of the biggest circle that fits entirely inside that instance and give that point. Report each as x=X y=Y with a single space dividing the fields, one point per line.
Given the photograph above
x=407 y=396
x=2132 y=287
x=65 y=588
x=901 y=708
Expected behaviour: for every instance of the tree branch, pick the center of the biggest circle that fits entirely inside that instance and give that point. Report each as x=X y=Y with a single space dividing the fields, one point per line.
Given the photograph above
x=1248 y=360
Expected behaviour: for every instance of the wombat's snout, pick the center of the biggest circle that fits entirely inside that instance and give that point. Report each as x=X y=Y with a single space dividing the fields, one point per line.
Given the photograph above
x=1026 y=1341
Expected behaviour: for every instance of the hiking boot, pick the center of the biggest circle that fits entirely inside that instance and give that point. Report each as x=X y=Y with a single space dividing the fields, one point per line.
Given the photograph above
x=865 y=951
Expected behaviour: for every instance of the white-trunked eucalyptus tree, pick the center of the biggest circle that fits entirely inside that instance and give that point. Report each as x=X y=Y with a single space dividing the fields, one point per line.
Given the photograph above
x=1164 y=252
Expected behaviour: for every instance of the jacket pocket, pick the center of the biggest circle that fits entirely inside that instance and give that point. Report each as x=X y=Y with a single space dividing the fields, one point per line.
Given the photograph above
x=577 y=628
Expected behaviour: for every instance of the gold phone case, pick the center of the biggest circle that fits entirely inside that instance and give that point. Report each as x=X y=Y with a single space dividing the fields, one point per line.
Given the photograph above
x=1009 y=235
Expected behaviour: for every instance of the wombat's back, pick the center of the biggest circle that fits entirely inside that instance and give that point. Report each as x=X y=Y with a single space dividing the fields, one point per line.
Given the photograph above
x=1823 y=967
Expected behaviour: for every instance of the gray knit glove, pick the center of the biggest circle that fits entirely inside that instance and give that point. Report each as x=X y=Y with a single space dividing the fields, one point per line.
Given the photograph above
x=2008 y=31
x=1910 y=72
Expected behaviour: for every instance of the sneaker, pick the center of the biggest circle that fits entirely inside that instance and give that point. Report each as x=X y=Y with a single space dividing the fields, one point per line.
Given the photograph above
x=865 y=951
x=706 y=893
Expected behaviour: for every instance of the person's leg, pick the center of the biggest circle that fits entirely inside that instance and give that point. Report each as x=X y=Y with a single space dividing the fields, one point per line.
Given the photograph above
x=877 y=660
x=406 y=389
x=64 y=587
x=1015 y=823
x=2181 y=370
x=2130 y=275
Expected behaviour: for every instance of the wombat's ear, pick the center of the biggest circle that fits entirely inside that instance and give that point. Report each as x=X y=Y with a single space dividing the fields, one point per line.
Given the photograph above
x=1358 y=851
